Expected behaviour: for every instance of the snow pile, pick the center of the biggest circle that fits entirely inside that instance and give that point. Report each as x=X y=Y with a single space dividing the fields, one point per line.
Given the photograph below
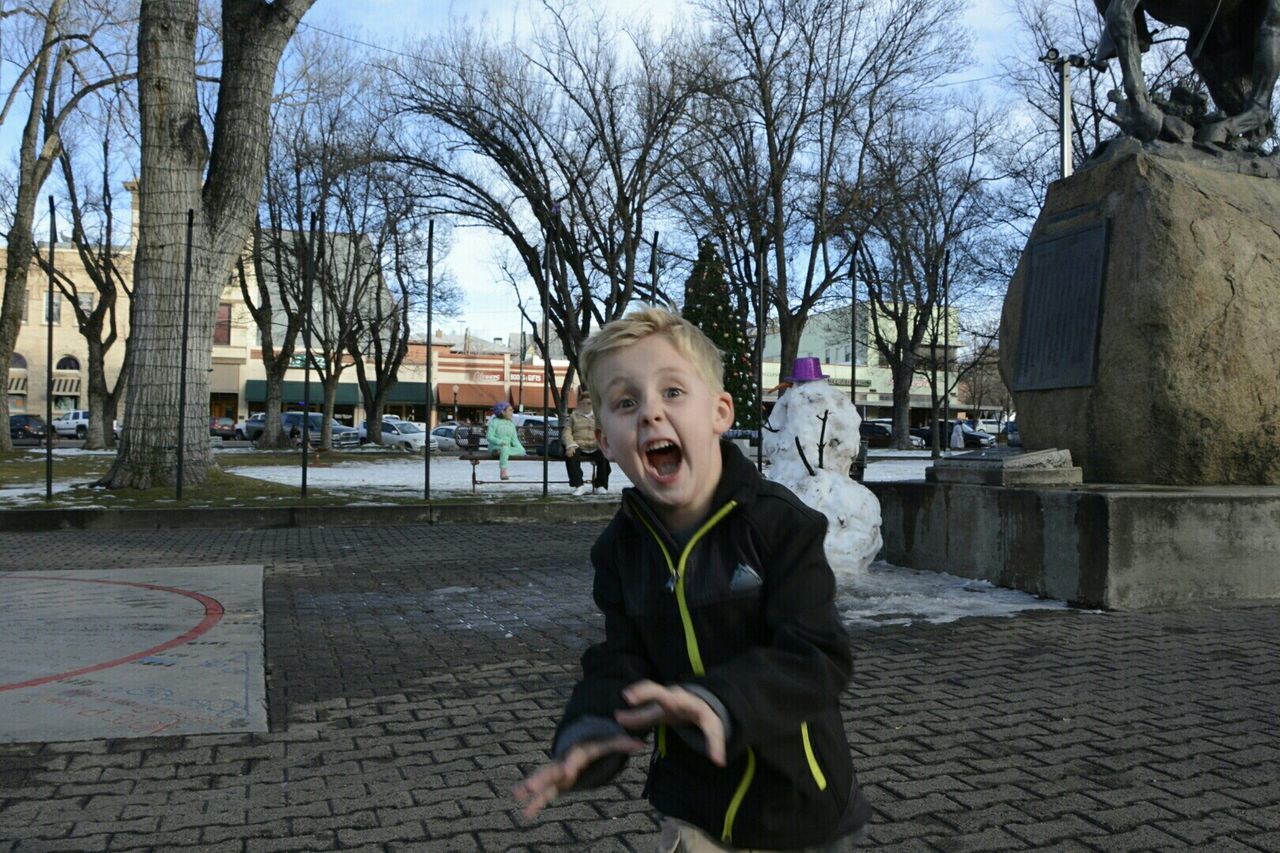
x=811 y=442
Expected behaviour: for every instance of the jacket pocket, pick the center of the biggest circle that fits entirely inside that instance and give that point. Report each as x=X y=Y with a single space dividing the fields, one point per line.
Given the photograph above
x=815 y=769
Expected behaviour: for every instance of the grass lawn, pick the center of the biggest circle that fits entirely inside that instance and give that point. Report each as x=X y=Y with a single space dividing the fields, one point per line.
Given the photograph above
x=22 y=481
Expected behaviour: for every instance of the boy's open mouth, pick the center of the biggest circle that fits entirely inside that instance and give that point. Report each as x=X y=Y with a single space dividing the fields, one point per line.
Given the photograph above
x=664 y=458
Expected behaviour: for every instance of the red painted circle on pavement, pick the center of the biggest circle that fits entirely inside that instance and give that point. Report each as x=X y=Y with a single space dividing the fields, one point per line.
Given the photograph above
x=212 y=614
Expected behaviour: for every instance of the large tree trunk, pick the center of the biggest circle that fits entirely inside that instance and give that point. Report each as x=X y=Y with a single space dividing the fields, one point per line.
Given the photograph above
x=99 y=418
x=174 y=152
x=903 y=373
x=790 y=329
x=15 y=303
x=273 y=437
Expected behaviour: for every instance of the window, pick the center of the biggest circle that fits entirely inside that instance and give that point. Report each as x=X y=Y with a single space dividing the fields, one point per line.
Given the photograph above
x=17 y=362
x=54 y=299
x=222 y=326
x=86 y=302
x=68 y=362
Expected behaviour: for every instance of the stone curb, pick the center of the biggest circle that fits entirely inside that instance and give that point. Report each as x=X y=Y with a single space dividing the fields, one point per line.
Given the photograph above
x=253 y=518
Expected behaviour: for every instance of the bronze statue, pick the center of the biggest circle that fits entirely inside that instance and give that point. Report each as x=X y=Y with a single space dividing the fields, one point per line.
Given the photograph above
x=1234 y=45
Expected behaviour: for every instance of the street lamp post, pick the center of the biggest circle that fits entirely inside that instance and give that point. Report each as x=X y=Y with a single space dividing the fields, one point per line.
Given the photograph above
x=455 y=403
x=1066 y=120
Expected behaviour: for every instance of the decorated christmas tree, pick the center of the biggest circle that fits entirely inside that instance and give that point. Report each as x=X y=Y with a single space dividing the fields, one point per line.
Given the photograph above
x=707 y=305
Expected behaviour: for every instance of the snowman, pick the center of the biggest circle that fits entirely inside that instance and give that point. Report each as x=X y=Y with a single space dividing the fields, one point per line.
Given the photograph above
x=811 y=440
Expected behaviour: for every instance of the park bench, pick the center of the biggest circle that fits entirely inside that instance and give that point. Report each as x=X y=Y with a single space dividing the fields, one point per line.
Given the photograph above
x=476 y=457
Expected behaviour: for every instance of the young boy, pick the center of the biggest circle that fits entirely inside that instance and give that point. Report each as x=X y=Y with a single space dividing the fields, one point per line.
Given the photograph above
x=720 y=627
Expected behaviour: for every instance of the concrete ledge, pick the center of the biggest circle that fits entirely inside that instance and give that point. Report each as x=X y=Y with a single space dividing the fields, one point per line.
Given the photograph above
x=246 y=518
x=1118 y=547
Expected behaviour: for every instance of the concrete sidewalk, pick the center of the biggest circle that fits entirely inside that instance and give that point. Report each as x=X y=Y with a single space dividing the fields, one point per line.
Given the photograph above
x=415 y=672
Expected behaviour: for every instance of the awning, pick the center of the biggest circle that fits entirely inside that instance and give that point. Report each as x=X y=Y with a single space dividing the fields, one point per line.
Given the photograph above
x=532 y=398
x=255 y=391
x=469 y=394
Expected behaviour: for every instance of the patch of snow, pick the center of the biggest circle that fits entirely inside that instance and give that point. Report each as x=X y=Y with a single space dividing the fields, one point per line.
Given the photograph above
x=890 y=595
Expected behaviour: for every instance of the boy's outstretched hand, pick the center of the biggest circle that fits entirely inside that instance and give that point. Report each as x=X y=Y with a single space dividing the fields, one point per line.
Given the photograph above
x=553 y=779
x=652 y=703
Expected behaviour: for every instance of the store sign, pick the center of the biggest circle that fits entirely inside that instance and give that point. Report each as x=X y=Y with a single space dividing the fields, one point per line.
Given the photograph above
x=485 y=376
x=299 y=360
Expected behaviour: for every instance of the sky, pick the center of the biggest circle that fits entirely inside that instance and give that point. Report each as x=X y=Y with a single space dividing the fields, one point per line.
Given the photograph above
x=489 y=309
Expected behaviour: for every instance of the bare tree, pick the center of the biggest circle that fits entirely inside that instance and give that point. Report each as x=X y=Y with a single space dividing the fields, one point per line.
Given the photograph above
x=560 y=146
x=932 y=179
x=318 y=88
x=66 y=52
x=92 y=227
x=804 y=83
x=219 y=181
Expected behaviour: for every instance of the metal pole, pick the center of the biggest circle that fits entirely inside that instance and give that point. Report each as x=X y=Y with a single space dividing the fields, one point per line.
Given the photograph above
x=522 y=352
x=762 y=322
x=182 y=374
x=1065 y=121
x=426 y=381
x=309 y=276
x=48 y=362
x=853 y=329
x=546 y=357
x=946 y=342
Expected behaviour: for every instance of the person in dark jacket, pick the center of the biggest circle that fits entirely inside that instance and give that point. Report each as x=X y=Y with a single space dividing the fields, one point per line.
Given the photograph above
x=721 y=632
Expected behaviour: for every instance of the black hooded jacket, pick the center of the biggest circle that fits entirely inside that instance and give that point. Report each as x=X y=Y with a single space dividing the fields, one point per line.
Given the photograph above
x=744 y=611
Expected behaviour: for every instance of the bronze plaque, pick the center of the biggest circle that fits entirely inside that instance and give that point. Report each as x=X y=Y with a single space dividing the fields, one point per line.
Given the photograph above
x=1062 y=311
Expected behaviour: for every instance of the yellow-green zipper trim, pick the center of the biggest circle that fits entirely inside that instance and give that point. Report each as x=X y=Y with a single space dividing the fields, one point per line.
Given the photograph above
x=732 y=812
x=813 y=760
x=677 y=571
x=695 y=656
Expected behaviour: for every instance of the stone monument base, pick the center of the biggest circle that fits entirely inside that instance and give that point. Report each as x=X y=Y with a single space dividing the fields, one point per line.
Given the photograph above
x=1108 y=546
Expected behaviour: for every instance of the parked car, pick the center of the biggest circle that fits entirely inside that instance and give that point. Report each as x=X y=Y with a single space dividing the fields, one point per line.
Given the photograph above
x=291 y=425
x=242 y=431
x=401 y=434
x=530 y=430
x=1011 y=435
x=879 y=433
x=991 y=426
x=471 y=437
x=28 y=429
x=73 y=424
x=973 y=438
x=446 y=437
x=223 y=428
x=876 y=435
x=917 y=443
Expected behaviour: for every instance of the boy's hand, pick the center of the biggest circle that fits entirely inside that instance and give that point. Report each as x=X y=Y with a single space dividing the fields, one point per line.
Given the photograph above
x=653 y=703
x=554 y=778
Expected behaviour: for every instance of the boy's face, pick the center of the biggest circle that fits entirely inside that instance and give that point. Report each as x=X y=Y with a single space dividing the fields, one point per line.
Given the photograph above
x=660 y=421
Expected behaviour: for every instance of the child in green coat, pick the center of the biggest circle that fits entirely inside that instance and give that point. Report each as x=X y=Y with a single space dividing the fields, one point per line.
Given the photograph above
x=503 y=440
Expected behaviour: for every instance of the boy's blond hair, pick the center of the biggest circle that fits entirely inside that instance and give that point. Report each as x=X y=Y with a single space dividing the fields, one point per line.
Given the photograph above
x=639 y=324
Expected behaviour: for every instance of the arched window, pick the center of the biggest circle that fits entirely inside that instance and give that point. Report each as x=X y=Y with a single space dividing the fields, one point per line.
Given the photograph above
x=17 y=362
x=68 y=362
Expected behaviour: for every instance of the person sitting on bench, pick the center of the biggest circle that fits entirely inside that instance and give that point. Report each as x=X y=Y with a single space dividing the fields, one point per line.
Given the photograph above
x=579 y=438
x=503 y=440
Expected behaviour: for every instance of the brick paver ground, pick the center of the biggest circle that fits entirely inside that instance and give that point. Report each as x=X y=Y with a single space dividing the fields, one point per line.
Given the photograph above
x=414 y=674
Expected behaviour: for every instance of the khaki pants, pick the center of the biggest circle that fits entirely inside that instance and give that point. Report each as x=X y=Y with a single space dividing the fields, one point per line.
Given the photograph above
x=677 y=836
